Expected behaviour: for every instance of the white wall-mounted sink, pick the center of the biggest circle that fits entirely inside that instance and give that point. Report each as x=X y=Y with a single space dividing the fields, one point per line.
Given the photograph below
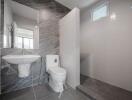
x=20 y=59
x=23 y=61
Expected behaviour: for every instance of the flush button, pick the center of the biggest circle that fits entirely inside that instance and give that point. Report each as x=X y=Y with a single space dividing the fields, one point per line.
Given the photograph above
x=55 y=60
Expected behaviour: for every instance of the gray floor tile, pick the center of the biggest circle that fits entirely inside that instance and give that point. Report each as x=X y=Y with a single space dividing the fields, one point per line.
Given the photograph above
x=44 y=92
x=25 y=94
x=103 y=91
x=68 y=94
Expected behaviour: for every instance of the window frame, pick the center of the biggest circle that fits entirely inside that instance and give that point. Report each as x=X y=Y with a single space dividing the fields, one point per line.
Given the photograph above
x=97 y=6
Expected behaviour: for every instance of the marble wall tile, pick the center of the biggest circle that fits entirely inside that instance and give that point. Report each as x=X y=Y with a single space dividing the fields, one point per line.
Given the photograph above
x=50 y=13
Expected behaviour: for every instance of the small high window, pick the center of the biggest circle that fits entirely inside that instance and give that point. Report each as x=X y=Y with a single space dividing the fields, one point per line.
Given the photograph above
x=100 y=12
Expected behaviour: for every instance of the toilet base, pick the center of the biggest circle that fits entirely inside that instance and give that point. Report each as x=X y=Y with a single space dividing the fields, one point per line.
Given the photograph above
x=56 y=86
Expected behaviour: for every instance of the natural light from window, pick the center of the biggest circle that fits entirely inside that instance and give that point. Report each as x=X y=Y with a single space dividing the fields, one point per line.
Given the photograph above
x=100 y=12
x=24 y=39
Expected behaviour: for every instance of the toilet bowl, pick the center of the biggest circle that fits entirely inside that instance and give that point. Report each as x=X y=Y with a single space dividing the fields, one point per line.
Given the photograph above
x=57 y=75
x=57 y=78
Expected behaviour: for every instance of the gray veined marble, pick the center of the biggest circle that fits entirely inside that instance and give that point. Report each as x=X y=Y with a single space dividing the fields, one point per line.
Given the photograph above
x=48 y=44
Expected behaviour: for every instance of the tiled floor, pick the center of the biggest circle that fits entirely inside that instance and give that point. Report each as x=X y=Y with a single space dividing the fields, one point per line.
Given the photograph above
x=43 y=92
x=83 y=79
x=102 y=91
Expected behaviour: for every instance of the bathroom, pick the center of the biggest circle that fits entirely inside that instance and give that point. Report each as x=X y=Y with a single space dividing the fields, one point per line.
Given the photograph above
x=91 y=46
x=30 y=33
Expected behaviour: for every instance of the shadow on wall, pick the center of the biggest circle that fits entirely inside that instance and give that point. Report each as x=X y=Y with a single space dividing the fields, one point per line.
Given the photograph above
x=86 y=64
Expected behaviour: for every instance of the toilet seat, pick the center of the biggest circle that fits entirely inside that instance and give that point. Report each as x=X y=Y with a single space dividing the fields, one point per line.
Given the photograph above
x=57 y=71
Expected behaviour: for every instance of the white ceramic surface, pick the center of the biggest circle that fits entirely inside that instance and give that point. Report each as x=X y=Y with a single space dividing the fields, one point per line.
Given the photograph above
x=57 y=74
x=20 y=59
x=23 y=61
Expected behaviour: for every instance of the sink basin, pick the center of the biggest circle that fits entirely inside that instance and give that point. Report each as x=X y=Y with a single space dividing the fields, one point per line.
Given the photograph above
x=20 y=59
x=23 y=61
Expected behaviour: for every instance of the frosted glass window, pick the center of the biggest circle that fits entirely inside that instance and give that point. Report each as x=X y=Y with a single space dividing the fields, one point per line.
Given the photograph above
x=24 y=39
x=100 y=12
x=31 y=43
x=26 y=43
x=18 y=42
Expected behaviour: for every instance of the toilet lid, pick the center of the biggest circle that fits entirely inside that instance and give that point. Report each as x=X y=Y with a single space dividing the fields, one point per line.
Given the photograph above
x=58 y=71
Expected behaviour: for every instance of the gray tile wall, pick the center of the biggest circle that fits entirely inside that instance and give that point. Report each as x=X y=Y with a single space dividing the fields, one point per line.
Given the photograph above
x=49 y=44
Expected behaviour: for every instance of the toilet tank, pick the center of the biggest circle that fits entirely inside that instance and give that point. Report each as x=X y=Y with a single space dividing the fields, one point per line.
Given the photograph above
x=52 y=61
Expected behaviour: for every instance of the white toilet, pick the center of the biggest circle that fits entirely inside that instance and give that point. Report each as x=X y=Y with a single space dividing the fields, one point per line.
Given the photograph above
x=57 y=75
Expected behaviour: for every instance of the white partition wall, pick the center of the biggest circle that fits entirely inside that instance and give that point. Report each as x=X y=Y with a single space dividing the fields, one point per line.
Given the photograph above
x=70 y=46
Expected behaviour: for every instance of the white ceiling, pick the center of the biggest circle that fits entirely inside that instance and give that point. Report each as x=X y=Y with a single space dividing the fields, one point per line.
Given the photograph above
x=24 y=11
x=76 y=3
